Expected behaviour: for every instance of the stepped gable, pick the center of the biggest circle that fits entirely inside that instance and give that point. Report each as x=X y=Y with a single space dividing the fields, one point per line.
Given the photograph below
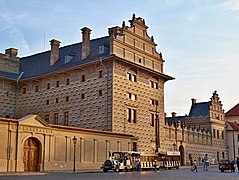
x=233 y=111
x=69 y=56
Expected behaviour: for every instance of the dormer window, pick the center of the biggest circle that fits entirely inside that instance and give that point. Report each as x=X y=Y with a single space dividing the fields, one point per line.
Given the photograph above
x=68 y=58
x=103 y=49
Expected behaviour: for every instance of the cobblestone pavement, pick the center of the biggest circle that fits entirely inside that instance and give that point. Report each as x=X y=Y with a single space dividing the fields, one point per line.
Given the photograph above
x=183 y=173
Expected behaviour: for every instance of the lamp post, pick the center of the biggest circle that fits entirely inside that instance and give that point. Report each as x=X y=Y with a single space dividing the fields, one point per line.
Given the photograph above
x=174 y=147
x=74 y=143
x=227 y=153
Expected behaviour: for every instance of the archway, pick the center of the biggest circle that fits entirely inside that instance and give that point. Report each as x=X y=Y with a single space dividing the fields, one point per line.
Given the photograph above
x=31 y=154
x=181 y=149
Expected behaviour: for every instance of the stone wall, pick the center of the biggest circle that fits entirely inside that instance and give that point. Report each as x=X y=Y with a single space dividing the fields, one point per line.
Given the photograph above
x=56 y=150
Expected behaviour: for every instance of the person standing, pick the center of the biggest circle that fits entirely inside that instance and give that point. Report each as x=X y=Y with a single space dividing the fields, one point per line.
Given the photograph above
x=205 y=162
x=155 y=164
x=137 y=163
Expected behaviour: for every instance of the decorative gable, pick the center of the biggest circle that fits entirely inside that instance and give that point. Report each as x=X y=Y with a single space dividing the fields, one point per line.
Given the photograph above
x=33 y=120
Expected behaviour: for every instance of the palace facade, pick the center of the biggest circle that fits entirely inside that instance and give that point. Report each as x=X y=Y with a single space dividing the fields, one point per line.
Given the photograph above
x=106 y=92
x=114 y=84
x=201 y=132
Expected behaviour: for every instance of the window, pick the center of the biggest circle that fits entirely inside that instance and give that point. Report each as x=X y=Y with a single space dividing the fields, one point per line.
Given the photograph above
x=153 y=102
x=214 y=133
x=101 y=49
x=238 y=139
x=56 y=118
x=57 y=100
x=217 y=133
x=47 y=117
x=67 y=98
x=36 y=88
x=82 y=78
x=131 y=77
x=24 y=90
x=67 y=81
x=134 y=148
x=57 y=83
x=47 y=102
x=152 y=119
x=140 y=60
x=48 y=86
x=100 y=92
x=132 y=96
x=222 y=134
x=153 y=84
x=83 y=96
x=134 y=78
x=100 y=74
x=66 y=117
x=131 y=115
x=223 y=155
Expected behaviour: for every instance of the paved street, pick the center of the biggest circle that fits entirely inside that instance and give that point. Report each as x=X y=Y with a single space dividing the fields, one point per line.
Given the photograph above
x=181 y=174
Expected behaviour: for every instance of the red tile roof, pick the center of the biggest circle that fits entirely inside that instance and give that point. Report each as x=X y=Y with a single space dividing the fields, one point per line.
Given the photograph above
x=233 y=111
x=234 y=125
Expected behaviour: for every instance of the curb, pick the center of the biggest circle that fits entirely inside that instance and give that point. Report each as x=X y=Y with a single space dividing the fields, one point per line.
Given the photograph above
x=46 y=173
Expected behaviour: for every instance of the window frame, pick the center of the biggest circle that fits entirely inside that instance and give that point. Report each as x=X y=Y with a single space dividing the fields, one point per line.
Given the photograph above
x=66 y=118
x=67 y=81
x=83 y=78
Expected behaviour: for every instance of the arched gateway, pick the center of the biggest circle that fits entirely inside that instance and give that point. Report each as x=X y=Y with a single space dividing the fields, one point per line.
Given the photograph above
x=31 y=154
x=181 y=149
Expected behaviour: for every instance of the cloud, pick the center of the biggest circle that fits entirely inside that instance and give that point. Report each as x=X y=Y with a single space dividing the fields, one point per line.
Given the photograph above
x=231 y=5
x=14 y=33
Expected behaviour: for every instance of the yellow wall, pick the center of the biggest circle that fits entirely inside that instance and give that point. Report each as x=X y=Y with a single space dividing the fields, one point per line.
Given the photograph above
x=56 y=146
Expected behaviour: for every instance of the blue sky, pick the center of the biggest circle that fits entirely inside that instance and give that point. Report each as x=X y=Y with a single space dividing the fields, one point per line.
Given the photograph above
x=199 y=39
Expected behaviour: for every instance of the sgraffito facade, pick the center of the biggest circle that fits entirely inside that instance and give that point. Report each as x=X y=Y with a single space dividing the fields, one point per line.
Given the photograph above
x=112 y=86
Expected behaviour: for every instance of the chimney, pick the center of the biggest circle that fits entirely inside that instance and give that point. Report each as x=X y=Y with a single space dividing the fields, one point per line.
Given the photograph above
x=54 y=51
x=174 y=114
x=193 y=101
x=85 y=42
x=12 y=52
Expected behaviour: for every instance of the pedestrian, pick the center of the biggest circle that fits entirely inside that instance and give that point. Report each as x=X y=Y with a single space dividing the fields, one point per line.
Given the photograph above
x=232 y=163
x=155 y=164
x=237 y=164
x=137 y=163
x=194 y=166
x=205 y=162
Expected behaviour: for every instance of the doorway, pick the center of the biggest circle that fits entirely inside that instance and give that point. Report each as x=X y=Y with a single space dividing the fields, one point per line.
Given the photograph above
x=31 y=154
x=181 y=149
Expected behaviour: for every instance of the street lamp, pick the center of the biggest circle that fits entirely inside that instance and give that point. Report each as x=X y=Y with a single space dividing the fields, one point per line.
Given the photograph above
x=74 y=143
x=227 y=153
x=174 y=147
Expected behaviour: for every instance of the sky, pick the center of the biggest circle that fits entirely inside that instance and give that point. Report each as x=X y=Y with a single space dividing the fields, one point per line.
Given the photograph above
x=199 y=39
